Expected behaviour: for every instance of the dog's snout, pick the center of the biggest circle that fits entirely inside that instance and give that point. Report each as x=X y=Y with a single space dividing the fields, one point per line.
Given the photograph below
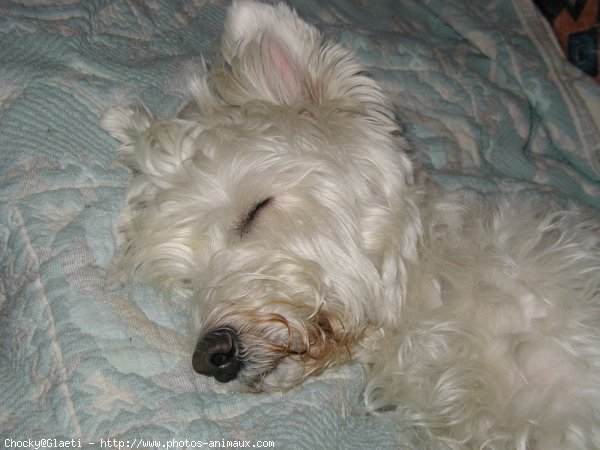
x=217 y=355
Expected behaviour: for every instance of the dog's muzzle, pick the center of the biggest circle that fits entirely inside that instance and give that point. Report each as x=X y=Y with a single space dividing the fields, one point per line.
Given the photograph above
x=217 y=355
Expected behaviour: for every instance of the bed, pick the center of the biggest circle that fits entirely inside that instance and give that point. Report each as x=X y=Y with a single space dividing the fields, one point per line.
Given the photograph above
x=92 y=358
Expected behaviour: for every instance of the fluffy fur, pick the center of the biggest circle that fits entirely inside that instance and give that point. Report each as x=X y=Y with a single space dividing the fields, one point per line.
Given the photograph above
x=282 y=202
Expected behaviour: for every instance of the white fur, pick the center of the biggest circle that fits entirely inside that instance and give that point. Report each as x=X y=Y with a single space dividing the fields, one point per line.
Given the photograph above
x=478 y=325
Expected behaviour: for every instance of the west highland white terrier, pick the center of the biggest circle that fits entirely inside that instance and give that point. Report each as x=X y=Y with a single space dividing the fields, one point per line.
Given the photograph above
x=281 y=200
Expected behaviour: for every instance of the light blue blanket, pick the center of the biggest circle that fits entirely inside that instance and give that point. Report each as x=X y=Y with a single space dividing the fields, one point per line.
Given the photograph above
x=85 y=354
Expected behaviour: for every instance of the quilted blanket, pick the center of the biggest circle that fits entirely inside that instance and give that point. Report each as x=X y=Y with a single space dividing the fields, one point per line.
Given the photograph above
x=91 y=358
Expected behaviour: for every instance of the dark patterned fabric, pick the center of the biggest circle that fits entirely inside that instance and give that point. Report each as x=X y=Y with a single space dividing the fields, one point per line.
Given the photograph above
x=576 y=25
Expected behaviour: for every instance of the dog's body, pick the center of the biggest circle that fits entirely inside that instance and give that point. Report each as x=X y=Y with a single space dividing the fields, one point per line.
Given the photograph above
x=282 y=201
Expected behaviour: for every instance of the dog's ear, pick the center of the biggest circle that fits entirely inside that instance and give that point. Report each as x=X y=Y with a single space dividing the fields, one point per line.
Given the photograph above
x=148 y=145
x=126 y=125
x=283 y=78
x=267 y=51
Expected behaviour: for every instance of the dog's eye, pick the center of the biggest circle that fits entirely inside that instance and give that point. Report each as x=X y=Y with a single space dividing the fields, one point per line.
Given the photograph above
x=246 y=224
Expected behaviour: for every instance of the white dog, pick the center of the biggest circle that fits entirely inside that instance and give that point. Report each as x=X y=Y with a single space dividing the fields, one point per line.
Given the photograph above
x=281 y=200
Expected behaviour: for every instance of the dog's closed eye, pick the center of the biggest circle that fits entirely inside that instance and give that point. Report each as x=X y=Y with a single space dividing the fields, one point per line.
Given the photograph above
x=246 y=224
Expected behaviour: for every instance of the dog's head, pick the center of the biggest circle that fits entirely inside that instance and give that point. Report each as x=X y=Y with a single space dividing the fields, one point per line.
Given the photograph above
x=271 y=200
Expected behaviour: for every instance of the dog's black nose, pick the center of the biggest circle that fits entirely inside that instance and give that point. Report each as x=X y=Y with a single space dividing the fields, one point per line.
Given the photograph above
x=216 y=355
